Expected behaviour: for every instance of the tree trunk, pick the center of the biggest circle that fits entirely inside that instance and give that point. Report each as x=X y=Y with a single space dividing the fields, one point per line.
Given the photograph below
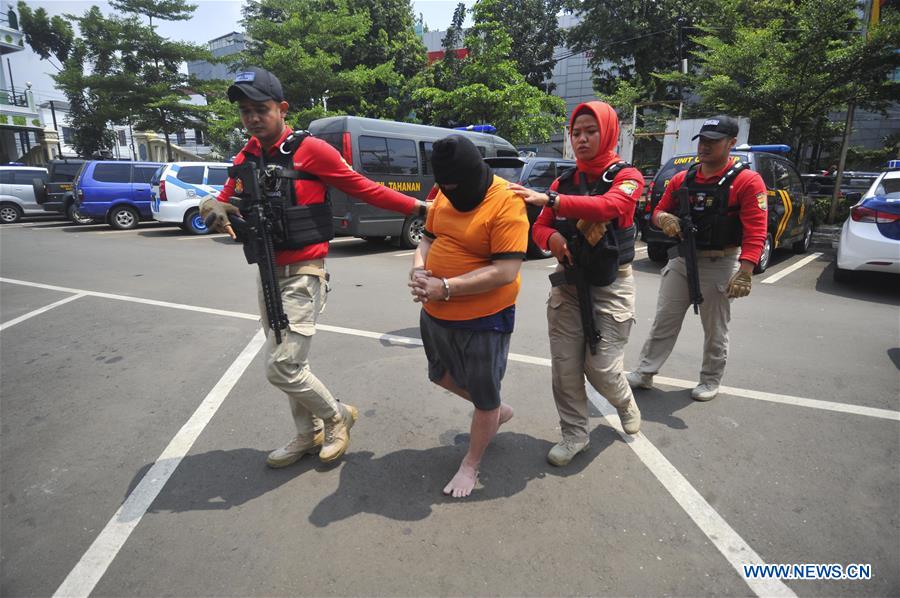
x=848 y=126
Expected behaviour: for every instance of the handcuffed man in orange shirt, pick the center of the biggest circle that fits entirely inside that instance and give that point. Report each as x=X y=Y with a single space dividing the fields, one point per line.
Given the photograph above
x=466 y=275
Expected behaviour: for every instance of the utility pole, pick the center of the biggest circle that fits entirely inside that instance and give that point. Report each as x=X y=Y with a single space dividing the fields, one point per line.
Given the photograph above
x=55 y=128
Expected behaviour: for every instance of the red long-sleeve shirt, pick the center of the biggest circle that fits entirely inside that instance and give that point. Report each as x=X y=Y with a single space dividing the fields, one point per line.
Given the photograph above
x=317 y=157
x=748 y=191
x=618 y=203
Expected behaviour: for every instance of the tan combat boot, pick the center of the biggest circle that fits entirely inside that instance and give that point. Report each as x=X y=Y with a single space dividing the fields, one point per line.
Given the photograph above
x=639 y=380
x=302 y=444
x=337 y=433
x=631 y=417
x=564 y=451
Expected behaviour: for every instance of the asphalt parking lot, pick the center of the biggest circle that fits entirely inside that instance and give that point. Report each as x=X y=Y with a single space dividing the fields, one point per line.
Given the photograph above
x=135 y=419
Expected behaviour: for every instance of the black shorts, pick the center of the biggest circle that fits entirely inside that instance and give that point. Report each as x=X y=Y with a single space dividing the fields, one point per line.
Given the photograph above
x=475 y=359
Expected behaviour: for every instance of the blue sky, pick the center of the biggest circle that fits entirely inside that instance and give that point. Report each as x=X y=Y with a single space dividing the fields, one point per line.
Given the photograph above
x=211 y=19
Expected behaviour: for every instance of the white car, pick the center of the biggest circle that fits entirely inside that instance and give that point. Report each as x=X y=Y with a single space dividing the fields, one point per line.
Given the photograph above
x=17 y=196
x=870 y=237
x=177 y=188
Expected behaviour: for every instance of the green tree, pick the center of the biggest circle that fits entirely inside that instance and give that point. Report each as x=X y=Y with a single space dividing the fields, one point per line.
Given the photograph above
x=629 y=40
x=91 y=74
x=160 y=90
x=533 y=25
x=492 y=90
x=447 y=71
x=337 y=56
x=794 y=65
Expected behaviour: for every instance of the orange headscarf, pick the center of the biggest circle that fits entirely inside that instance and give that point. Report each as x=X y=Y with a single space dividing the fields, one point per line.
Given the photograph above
x=608 y=121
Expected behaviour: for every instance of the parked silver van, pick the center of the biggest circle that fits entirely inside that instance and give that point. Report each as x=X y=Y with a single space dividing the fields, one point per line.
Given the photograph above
x=17 y=191
x=394 y=154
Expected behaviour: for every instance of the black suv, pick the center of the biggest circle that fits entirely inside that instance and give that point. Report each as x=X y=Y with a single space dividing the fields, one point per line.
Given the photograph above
x=56 y=195
x=534 y=173
x=790 y=208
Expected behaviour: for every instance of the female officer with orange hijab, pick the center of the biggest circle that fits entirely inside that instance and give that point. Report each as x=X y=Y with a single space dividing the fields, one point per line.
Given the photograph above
x=587 y=222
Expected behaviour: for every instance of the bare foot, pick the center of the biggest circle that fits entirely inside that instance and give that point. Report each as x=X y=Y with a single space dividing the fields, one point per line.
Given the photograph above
x=506 y=413
x=463 y=482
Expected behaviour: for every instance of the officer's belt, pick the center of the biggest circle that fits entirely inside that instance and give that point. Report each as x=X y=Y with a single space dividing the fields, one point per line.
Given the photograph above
x=728 y=251
x=567 y=276
x=305 y=267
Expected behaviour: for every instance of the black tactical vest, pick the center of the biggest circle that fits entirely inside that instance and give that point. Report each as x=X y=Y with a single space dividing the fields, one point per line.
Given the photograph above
x=718 y=224
x=296 y=225
x=600 y=262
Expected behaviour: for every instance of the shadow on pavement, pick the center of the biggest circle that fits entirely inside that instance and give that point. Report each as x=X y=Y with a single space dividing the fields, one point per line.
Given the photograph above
x=406 y=484
x=220 y=480
x=875 y=287
x=660 y=406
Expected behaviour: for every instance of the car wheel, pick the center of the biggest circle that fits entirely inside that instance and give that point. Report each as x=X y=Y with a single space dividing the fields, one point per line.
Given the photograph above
x=123 y=218
x=802 y=246
x=10 y=213
x=73 y=215
x=839 y=274
x=194 y=224
x=764 y=256
x=412 y=231
x=658 y=253
x=535 y=252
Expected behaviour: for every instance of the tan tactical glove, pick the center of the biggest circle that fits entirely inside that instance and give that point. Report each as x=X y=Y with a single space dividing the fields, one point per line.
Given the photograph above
x=212 y=206
x=592 y=231
x=739 y=285
x=669 y=223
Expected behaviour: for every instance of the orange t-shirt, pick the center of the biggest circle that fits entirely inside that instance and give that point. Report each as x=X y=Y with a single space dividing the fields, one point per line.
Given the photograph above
x=465 y=241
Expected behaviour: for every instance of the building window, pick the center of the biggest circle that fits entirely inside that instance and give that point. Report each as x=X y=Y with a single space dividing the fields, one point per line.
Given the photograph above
x=121 y=135
x=180 y=138
x=198 y=137
x=68 y=135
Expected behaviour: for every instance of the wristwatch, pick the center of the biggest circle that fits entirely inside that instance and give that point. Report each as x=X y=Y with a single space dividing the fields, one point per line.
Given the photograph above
x=446 y=284
x=551 y=199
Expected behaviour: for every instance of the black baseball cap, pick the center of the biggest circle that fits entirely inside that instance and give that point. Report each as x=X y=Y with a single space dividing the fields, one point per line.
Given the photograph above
x=256 y=84
x=718 y=127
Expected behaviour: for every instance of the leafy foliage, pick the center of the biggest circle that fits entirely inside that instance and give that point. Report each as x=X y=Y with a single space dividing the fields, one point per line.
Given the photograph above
x=491 y=89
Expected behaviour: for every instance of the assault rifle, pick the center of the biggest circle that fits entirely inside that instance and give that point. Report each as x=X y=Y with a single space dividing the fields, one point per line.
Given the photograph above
x=575 y=276
x=261 y=204
x=688 y=249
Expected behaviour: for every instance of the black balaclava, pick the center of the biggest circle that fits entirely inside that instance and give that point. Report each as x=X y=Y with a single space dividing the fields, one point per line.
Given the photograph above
x=456 y=161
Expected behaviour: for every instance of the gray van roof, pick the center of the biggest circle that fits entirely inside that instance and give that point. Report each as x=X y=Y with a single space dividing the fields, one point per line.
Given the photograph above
x=359 y=124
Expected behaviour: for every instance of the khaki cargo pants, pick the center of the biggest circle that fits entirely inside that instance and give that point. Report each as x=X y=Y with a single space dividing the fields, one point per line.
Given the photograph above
x=303 y=292
x=673 y=303
x=571 y=358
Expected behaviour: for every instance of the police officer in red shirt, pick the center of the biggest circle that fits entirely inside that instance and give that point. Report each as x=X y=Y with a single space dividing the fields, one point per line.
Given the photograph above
x=587 y=222
x=728 y=204
x=322 y=423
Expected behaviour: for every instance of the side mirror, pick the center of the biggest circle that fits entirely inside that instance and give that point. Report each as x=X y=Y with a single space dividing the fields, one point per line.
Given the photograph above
x=853 y=197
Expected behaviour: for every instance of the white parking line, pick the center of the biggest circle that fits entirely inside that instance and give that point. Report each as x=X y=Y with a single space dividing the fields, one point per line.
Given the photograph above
x=196 y=237
x=344 y=239
x=38 y=312
x=94 y=563
x=404 y=254
x=793 y=267
x=130 y=230
x=734 y=548
x=676 y=382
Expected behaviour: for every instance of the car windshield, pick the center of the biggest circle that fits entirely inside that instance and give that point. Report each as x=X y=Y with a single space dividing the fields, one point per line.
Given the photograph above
x=510 y=173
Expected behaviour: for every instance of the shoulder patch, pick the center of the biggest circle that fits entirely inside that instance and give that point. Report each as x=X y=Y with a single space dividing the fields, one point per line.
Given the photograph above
x=762 y=201
x=628 y=187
